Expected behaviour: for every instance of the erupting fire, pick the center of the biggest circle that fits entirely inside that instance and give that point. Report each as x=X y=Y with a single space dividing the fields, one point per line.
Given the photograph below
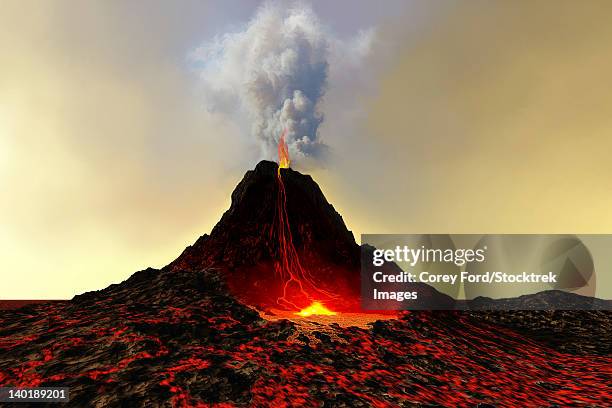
x=316 y=308
x=299 y=287
x=283 y=153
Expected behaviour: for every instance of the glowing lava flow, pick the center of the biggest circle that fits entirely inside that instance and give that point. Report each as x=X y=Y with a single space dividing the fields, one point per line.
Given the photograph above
x=298 y=284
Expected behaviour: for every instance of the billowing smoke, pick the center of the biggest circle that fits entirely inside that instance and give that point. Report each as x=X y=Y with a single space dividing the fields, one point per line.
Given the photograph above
x=274 y=73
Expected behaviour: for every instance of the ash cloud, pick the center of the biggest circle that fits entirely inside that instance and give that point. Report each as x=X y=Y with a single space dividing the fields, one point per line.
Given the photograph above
x=273 y=74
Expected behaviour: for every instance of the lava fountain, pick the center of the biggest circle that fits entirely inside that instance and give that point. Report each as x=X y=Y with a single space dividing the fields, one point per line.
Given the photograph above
x=299 y=287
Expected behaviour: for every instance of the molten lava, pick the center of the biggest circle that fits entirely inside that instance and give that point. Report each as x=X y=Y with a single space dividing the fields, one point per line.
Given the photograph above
x=299 y=288
x=316 y=308
x=283 y=153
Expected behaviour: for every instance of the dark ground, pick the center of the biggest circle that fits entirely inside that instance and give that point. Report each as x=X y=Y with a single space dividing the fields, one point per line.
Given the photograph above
x=178 y=339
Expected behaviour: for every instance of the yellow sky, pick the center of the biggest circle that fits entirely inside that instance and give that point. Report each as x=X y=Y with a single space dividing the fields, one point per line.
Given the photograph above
x=496 y=119
x=488 y=117
x=107 y=163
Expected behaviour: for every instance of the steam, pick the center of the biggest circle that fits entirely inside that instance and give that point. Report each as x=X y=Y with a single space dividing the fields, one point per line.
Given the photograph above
x=274 y=74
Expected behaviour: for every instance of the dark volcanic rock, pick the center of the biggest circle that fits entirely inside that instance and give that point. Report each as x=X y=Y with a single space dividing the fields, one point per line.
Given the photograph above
x=545 y=300
x=137 y=343
x=242 y=236
x=243 y=244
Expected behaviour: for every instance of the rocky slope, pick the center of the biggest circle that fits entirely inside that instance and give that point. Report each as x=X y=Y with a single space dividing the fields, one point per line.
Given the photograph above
x=242 y=244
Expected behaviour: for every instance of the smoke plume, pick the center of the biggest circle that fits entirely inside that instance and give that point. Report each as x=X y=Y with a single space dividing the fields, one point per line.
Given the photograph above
x=273 y=74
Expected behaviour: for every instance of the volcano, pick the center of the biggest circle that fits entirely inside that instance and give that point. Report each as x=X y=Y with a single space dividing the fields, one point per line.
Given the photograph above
x=245 y=247
x=244 y=244
x=193 y=334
